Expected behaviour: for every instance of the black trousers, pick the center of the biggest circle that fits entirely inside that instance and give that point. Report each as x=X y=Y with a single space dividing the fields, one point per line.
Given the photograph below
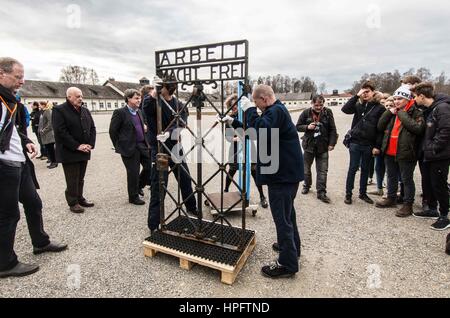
x=50 y=148
x=434 y=177
x=234 y=167
x=16 y=185
x=281 y=198
x=185 y=185
x=135 y=182
x=74 y=173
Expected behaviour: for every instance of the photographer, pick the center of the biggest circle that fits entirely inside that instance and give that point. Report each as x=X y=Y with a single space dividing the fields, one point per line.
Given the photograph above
x=320 y=137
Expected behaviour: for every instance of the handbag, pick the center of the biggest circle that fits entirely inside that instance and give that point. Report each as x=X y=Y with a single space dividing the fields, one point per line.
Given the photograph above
x=348 y=136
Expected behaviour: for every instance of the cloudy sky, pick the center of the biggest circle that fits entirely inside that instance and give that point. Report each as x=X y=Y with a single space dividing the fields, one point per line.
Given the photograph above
x=331 y=41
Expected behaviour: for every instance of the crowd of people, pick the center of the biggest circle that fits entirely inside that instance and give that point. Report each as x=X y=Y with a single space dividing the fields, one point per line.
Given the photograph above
x=391 y=134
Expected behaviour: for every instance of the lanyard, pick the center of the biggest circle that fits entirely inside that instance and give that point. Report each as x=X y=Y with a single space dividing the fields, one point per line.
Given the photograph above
x=7 y=106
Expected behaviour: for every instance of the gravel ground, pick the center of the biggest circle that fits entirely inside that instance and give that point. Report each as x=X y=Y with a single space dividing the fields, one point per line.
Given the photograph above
x=347 y=251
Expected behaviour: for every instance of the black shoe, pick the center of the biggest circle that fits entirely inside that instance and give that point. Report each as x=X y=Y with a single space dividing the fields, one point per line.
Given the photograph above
x=276 y=247
x=441 y=224
x=365 y=198
x=348 y=199
x=141 y=192
x=276 y=271
x=323 y=197
x=85 y=203
x=137 y=201
x=305 y=190
x=52 y=165
x=51 y=247
x=427 y=214
x=264 y=203
x=20 y=270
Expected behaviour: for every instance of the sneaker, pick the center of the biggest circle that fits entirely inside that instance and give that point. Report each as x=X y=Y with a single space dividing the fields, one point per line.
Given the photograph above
x=365 y=198
x=323 y=197
x=427 y=214
x=264 y=203
x=52 y=165
x=276 y=270
x=348 y=199
x=441 y=224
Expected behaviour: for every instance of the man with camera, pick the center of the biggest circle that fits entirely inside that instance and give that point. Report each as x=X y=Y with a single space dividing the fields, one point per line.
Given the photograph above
x=320 y=137
x=363 y=140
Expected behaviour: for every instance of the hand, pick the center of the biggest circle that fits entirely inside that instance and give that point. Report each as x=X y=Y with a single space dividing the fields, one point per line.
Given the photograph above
x=312 y=126
x=32 y=150
x=376 y=151
x=246 y=104
x=84 y=148
x=360 y=92
x=145 y=128
x=163 y=137
x=330 y=148
x=225 y=119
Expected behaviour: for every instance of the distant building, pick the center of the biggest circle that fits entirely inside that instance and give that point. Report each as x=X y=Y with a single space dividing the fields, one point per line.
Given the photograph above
x=295 y=99
x=336 y=99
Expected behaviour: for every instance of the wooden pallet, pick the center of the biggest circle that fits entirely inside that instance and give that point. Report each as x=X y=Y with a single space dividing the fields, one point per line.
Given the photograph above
x=187 y=261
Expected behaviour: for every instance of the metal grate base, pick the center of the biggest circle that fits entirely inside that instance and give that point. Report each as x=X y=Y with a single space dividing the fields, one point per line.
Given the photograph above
x=207 y=251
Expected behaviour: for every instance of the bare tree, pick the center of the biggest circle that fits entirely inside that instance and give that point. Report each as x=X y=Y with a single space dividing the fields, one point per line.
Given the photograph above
x=79 y=75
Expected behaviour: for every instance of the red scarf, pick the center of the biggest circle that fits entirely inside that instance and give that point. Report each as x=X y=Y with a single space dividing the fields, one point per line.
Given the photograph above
x=393 y=139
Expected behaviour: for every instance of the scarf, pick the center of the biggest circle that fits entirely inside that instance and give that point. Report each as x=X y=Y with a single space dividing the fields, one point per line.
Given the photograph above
x=393 y=139
x=8 y=102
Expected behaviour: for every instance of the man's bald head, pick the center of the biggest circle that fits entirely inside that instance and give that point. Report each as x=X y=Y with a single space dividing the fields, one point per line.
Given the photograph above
x=75 y=96
x=263 y=96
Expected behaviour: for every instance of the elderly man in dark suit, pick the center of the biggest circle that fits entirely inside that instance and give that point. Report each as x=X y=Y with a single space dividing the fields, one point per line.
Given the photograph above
x=75 y=135
x=128 y=135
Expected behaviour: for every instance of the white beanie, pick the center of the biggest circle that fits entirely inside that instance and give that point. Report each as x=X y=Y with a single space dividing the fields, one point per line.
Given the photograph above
x=403 y=91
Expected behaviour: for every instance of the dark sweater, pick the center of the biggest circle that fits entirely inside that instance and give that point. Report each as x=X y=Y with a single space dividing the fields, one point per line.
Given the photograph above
x=276 y=123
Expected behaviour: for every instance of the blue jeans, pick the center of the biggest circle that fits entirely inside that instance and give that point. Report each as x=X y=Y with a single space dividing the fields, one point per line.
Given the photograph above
x=380 y=170
x=281 y=198
x=360 y=156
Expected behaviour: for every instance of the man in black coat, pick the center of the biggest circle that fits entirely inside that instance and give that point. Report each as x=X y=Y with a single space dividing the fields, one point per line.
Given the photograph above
x=436 y=149
x=128 y=135
x=365 y=140
x=320 y=137
x=75 y=135
x=18 y=181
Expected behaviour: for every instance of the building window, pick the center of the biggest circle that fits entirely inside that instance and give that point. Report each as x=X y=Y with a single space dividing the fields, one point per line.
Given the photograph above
x=102 y=105
x=109 y=105
x=116 y=105
x=94 y=104
x=123 y=104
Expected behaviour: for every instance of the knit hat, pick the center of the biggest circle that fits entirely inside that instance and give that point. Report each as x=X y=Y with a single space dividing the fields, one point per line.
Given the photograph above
x=403 y=91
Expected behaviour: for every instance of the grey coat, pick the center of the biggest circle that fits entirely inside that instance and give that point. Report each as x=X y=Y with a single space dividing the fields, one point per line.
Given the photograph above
x=45 y=128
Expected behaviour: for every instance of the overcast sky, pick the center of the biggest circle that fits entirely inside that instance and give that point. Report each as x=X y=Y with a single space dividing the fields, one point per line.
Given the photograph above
x=331 y=41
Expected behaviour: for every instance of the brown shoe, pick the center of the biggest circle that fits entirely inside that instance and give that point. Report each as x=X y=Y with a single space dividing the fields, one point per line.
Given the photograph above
x=76 y=208
x=386 y=203
x=406 y=210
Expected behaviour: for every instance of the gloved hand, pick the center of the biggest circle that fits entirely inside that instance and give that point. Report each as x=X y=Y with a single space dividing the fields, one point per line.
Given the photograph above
x=246 y=104
x=226 y=119
x=163 y=137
